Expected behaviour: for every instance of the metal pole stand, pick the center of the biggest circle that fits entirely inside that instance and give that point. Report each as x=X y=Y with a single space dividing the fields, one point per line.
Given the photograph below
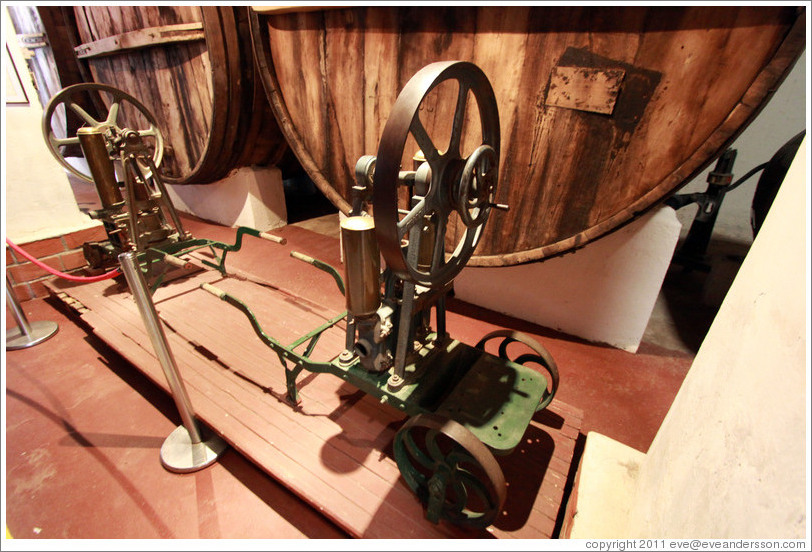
x=26 y=334
x=185 y=450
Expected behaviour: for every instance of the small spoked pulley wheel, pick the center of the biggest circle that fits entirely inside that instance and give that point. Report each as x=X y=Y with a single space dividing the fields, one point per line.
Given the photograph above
x=123 y=112
x=477 y=186
x=448 y=184
x=527 y=351
x=452 y=472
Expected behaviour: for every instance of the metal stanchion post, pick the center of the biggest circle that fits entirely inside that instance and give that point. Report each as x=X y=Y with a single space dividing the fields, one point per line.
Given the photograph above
x=184 y=450
x=26 y=334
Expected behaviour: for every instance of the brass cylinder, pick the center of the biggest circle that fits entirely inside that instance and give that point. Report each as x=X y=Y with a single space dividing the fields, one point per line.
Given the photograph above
x=362 y=265
x=101 y=167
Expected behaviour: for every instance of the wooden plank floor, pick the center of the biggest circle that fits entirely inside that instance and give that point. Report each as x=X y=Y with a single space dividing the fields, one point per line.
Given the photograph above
x=334 y=449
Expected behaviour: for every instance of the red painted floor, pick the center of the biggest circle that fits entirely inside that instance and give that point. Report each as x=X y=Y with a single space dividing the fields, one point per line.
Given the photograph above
x=83 y=427
x=83 y=434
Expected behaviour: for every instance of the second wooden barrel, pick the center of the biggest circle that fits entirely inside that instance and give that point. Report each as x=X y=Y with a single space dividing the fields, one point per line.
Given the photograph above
x=193 y=68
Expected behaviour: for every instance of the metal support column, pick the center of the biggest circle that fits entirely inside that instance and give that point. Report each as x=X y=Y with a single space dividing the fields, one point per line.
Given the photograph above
x=26 y=334
x=184 y=450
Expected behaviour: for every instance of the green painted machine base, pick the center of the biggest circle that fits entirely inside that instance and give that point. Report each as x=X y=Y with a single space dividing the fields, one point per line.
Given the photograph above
x=493 y=398
x=495 y=401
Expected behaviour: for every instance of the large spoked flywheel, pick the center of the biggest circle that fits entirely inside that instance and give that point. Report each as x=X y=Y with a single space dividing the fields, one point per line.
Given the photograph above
x=123 y=111
x=448 y=184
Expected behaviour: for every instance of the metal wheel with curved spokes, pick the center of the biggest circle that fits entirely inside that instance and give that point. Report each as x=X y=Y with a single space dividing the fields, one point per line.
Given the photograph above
x=453 y=183
x=477 y=186
x=451 y=471
x=539 y=355
x=67 y=97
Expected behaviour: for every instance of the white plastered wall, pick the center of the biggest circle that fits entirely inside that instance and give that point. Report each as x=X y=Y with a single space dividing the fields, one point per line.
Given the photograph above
x=38 y=200
x=730 y=460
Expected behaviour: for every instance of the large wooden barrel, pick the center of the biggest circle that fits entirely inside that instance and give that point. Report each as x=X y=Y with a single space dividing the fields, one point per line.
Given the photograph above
x=193 y=68
x=604 y=111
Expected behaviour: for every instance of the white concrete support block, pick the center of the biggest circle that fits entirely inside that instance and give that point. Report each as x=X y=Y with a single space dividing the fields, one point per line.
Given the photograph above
x=248 y=196
x=607 y=478
x=603 y=292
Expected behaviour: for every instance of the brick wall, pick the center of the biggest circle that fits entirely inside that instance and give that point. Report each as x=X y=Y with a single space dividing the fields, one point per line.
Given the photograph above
x=64 y=253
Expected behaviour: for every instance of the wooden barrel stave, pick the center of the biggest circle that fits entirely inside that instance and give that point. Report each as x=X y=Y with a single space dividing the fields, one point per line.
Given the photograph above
x=569 y=174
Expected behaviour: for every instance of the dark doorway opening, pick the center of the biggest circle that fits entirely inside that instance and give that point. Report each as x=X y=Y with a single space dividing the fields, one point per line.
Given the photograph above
x=303 y=198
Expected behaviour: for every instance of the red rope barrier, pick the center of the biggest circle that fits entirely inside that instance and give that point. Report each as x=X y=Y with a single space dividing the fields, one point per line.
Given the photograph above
x=55 y=272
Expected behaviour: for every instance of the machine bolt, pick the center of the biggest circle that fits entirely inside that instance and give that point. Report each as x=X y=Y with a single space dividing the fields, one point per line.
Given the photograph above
x=395 y=382
x=346 y=357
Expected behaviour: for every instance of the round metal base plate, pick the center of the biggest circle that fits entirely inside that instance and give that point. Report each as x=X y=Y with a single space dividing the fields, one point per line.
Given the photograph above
x=40 y=331
x=180 y=455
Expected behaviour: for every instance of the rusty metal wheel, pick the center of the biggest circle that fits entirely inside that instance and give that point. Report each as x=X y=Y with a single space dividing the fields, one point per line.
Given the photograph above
x=445 y=184
x=539 y=356
x=122 y=107
x=452 y=472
